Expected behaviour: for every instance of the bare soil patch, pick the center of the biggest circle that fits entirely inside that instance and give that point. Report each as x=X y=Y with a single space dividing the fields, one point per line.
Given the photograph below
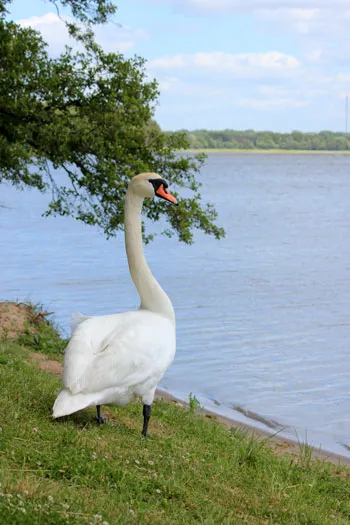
x=47 y=365
x=17 y=318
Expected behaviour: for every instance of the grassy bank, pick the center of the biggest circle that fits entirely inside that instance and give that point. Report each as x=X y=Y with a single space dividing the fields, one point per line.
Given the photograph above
x=190 y=470
x=270 y=151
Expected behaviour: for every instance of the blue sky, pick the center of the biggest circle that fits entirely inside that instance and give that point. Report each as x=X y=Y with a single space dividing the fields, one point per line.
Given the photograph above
x=252 y=64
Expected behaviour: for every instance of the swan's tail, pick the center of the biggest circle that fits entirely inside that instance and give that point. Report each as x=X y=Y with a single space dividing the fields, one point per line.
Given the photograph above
x=68 y=403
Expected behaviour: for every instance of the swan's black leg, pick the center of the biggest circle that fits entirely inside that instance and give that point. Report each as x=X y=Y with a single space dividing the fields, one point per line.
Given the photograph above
x=100 y=419
x=146 y=415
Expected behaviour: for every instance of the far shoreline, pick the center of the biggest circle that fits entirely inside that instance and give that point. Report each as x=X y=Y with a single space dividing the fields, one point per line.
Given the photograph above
x=266 y=151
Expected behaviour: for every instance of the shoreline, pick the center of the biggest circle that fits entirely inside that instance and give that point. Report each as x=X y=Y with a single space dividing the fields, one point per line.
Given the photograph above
x=266 y=151
x=280 y=444
x=256 y=425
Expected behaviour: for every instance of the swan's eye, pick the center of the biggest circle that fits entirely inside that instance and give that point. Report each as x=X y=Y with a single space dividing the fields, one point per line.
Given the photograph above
x=156 y=183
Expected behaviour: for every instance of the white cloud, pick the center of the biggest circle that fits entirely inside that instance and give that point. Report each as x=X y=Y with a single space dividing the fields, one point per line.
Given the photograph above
x=181 y=87
x=315 y=54
x=226 y=6
x=110 y=36
x=342 y=85
x=52 y=29
x=322 y=32
x=243 y=65
x=305 y=87
x=271 y=104
x=301 y=20
x=276 y=91
x=343 y=78
x=211 y=77
x=326 y=20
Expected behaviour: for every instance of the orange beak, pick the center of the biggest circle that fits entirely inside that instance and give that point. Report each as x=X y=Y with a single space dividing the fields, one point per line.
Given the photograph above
x=164 y=194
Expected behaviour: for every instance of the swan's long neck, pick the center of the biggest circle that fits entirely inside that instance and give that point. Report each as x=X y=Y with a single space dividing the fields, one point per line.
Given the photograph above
x=153 y=297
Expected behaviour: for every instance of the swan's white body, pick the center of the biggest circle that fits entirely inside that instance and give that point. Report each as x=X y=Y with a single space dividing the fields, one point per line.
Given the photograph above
x=111 y=359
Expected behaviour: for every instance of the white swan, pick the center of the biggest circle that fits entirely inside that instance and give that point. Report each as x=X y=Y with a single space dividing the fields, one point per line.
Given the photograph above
x=111 y=359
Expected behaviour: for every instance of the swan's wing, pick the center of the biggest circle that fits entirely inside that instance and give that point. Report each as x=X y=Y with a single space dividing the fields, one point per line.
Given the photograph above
x=86 y=341
x=135 y=347
x=138 y=354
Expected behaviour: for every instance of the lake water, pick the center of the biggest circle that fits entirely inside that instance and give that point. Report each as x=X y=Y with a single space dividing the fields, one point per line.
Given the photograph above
x=263 y=316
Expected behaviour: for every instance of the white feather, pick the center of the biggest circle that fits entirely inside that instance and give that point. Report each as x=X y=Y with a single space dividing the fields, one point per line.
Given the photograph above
x=75 y=320
x=113 y=358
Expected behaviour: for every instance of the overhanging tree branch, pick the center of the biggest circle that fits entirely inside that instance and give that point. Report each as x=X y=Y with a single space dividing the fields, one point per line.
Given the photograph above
x=88 y=115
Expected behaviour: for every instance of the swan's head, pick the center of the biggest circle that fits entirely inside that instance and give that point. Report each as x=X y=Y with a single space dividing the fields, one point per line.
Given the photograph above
x=151 y=185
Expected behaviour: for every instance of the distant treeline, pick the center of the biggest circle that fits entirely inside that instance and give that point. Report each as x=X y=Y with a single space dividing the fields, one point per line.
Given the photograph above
x=249 y=139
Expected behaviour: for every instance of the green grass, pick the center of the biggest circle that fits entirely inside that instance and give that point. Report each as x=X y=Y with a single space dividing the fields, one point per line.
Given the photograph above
x=45 y=339
x=190 y=470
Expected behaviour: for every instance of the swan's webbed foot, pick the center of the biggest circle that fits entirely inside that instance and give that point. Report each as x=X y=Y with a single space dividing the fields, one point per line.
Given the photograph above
x=146 y=416
x=100 y=419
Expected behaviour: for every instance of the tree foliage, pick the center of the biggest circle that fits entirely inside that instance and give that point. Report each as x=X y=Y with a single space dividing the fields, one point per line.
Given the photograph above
x=80 y=126
x=249 y=139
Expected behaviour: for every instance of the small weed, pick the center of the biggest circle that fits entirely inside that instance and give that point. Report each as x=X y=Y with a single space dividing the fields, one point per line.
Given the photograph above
x=248 y=447
x=44 y=339
x=193 y=402
x=4 y=335
x=305 y=453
